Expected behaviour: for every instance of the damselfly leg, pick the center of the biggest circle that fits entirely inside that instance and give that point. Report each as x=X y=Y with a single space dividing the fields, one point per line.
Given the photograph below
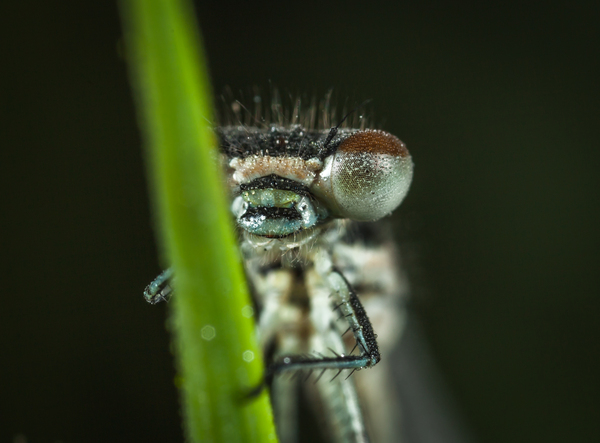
x=161 y=288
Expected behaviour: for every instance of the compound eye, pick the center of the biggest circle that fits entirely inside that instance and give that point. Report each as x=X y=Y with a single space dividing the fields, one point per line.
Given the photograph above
x=370 y=175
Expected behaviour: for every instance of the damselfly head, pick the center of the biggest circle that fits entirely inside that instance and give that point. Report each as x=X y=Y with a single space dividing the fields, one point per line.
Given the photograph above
x=290 y=179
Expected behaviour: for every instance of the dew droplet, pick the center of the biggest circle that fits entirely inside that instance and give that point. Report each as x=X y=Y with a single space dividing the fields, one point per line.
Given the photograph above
x=248 y=311
x=208 y=332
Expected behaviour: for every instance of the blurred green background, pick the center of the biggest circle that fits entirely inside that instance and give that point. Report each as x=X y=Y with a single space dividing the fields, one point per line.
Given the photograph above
x=498 y=103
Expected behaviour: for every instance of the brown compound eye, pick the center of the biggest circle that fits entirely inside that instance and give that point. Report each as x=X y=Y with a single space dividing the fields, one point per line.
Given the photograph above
x=370 y=175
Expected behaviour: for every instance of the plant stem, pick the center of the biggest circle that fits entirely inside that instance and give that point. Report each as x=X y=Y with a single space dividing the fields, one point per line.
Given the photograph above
x=218 y=359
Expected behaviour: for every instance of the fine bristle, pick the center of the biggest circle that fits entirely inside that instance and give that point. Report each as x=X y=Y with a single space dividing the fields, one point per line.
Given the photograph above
x=262 y=110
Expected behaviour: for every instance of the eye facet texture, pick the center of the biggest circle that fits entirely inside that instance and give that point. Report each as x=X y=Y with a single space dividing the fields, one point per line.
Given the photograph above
x=370 y=175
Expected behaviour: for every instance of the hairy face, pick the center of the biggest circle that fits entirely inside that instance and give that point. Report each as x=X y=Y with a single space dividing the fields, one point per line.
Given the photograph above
x=286 y=180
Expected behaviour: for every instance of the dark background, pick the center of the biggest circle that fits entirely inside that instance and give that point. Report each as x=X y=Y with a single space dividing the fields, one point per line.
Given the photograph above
x=498 y=103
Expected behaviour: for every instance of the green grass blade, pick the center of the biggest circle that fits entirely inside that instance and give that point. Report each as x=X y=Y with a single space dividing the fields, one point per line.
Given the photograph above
x=217 y=355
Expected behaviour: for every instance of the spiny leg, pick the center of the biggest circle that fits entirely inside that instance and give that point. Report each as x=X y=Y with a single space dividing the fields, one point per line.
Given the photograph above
x=337 y=395
x=351 y=308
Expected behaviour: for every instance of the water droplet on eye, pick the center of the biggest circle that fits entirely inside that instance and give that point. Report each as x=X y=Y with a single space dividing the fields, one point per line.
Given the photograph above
x=248 y=356
x=208 y=332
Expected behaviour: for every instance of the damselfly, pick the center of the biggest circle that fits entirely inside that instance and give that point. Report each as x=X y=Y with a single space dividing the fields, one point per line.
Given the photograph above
x=323 y=277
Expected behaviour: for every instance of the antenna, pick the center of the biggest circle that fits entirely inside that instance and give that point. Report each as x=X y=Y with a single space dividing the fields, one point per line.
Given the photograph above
x=333 y=131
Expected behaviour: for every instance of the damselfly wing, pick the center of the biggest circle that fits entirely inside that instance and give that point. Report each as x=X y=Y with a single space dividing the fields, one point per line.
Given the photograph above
x=323 y=275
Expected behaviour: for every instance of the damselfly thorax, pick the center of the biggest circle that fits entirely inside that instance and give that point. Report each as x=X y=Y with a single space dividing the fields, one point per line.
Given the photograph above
x=323 y=277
